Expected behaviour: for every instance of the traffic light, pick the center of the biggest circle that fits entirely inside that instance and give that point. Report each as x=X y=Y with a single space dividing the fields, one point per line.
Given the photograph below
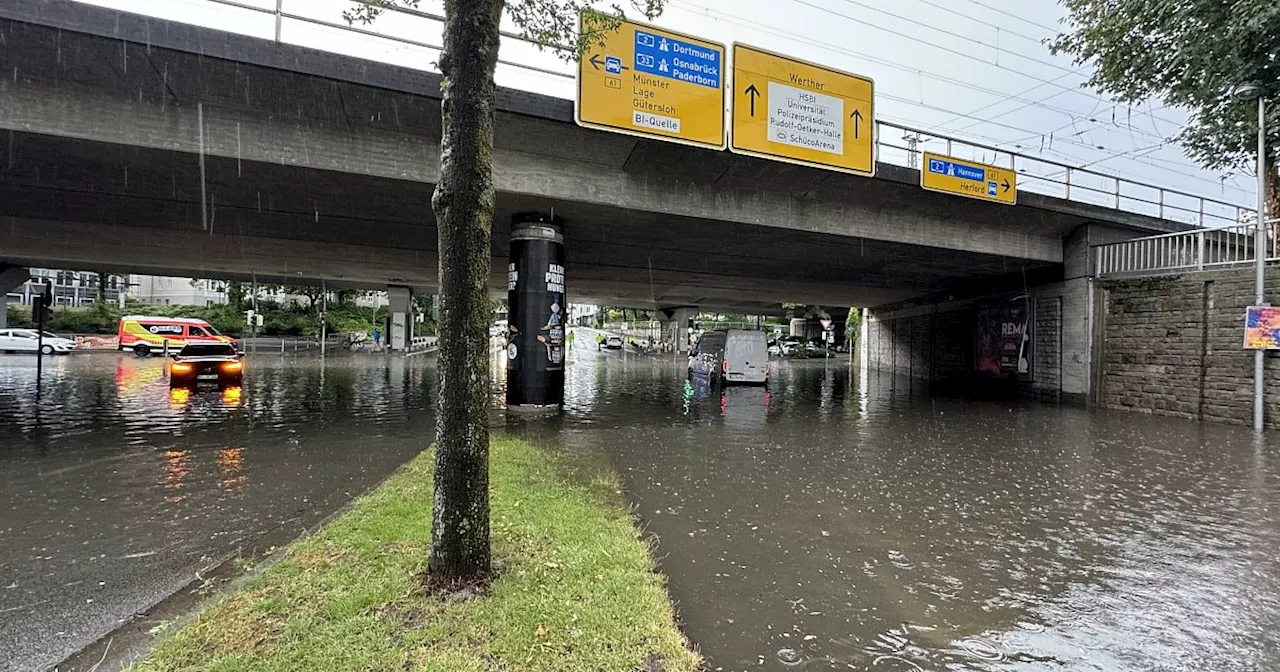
x=42 y=307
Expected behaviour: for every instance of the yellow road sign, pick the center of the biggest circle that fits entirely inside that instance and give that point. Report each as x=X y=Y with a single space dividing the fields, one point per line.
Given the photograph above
x=655 y=83
x=791 y=110
x=969 y=178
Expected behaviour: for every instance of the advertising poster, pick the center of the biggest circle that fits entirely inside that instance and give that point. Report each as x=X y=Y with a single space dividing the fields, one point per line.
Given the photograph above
x=1004 y=341
x=1262 y=328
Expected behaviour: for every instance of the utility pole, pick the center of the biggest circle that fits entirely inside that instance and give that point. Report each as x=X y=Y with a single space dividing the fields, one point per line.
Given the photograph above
x=42 y=307
x=1260 y=244
x=913 y=154
x=1246 y=93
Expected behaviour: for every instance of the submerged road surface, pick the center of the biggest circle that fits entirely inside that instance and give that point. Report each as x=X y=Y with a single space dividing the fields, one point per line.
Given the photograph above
x=116 y=492
x=833 y=521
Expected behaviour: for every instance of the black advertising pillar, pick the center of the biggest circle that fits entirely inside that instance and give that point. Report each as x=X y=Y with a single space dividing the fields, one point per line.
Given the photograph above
x=536 y=310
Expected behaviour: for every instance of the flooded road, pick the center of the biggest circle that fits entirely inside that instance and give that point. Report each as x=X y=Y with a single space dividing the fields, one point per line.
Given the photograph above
x=117 y=492
x=831 y=522
x=828 y=525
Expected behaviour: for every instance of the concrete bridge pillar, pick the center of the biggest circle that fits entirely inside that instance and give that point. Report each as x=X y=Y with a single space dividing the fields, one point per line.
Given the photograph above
x=401 y=300
x=678 y=322
x=536 y=313
x=11 y=278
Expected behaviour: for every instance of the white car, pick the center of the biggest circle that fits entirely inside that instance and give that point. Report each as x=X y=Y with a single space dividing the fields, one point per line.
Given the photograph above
x=613 y=342
x=28 y=340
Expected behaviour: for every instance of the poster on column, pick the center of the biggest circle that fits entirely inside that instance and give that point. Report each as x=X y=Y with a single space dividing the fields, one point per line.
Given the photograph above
x=535 y=322
x=1004 y=341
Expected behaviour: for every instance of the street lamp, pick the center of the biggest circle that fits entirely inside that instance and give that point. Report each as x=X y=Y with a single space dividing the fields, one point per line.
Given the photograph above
x=1246 y=93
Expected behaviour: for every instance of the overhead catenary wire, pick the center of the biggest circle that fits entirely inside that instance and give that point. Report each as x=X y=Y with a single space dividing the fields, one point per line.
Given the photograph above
x=748 y=23
x=562 y=75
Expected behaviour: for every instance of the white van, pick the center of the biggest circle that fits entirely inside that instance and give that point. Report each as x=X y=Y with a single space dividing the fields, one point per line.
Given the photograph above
x=734 y=356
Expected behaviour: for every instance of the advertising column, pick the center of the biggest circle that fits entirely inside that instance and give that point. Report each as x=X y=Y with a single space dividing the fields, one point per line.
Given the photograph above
x=536 y=310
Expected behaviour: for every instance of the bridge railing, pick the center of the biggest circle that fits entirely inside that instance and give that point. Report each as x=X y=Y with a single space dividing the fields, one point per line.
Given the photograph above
x=1198 y=250
x=409 y=43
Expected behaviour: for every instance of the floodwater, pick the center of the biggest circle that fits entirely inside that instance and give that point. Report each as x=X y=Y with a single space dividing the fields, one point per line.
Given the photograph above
x=834 y=521
x=117 y=492
x=844 y=522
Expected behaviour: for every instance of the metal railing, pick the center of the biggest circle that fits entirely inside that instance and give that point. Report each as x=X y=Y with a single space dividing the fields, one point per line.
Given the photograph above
x=1035 y=175
x=1198 y=250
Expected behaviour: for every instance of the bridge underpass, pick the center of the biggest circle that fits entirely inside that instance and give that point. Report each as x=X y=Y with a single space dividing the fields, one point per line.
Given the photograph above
x=319 y=167
x=140 y=144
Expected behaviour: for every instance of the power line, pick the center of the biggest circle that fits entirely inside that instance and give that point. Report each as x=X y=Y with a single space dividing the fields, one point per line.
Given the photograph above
x=1013 y=16
x=958 y=52
x=742 y=21
x=997 y=26
x=945 y=9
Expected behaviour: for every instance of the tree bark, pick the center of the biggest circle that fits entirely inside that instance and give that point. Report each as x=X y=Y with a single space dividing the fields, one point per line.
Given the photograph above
x=463 y=205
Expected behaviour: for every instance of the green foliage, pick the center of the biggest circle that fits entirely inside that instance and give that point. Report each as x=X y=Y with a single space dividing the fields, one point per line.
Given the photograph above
x=1191 y=54
x=551 y=24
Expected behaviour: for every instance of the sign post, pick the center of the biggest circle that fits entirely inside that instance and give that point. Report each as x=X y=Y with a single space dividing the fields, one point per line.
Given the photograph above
x=791 y=110
x=43 y=306
x=984 y=182
x=654 y=83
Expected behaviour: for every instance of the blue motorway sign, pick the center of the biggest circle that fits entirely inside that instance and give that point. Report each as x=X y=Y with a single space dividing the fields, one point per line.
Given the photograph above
x=960 y=170
x=677 y=59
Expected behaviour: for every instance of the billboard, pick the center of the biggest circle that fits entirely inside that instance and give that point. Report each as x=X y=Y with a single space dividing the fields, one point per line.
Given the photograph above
x=1004 y=341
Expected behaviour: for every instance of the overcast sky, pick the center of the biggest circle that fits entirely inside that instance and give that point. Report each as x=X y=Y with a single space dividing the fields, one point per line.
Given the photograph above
x=974 y=69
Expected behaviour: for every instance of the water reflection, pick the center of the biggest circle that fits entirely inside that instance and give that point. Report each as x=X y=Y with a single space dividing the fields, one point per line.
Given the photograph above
x=856 y=525
x=830 y=521
x=117 y=490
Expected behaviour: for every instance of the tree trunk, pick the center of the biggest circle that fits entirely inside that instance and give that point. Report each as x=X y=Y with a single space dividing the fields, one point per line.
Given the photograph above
x=463 y=205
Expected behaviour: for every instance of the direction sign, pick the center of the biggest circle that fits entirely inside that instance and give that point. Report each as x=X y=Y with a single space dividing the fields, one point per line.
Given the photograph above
x=792 y=110
x=653 y=83
x=968 y=178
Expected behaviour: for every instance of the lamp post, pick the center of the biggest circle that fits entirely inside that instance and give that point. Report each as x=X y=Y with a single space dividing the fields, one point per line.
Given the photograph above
x=1246 y=93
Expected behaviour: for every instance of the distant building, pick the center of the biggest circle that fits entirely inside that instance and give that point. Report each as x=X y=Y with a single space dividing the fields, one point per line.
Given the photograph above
x=165 y=291
x=77 y=289
x=70 y=288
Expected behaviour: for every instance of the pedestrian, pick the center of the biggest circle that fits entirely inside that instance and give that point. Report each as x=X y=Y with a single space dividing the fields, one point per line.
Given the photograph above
x=377 y=337
x=599 y=342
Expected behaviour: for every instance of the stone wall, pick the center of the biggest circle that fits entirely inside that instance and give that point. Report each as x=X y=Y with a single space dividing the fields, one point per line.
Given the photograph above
x=1172 y=346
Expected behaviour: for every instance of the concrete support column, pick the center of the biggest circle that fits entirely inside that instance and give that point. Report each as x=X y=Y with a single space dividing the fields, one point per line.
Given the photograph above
x=536 y=310
x=678 y=322
x=11 y=278
x=401 y=301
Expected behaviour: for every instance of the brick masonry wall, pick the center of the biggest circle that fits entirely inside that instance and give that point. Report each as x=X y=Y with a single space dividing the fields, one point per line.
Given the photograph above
x=1172 y=346
x=1046 y=332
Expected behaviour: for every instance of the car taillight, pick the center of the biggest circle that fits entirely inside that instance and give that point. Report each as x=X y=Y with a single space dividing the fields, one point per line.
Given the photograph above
x=232 y=367
x=180 y=367
x=724 y=366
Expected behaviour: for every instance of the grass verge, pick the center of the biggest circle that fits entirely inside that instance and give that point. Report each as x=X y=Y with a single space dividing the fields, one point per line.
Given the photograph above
x=580 y=591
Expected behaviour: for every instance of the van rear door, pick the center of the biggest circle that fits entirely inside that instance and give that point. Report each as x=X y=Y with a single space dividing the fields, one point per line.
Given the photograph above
x=747 y=354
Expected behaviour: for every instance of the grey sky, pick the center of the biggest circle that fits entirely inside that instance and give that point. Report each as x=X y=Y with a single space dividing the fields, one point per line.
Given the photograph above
x=974 y=69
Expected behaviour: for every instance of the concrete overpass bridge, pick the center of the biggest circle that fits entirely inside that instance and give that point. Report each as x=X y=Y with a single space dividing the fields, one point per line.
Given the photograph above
x=132 y=143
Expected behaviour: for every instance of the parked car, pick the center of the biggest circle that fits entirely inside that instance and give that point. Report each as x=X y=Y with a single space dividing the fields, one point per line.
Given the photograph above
x=613 y=342
x=790 y=345
x=28 y=340
x=142 y=333
x=213 y=362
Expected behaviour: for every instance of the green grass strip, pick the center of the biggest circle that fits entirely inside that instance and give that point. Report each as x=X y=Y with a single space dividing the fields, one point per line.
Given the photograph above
x=580 y=591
